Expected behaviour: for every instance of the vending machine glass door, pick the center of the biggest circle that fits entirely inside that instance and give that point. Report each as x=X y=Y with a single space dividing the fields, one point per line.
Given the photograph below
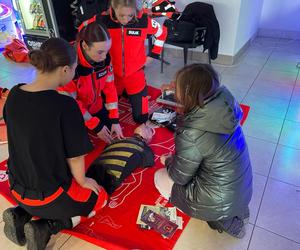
x=33 y=17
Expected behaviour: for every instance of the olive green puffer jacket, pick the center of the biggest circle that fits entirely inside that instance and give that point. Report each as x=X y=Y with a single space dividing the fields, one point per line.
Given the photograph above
x=211 y=166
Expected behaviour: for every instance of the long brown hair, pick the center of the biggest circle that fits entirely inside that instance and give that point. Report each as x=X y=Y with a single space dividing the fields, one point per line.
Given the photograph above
x=54 y=53
x=194 y=83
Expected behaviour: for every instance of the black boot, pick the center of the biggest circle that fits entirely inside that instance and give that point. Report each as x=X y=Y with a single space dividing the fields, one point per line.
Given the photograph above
x=15 y=219
x=234 y=226
x=38 y=233
x=58 y=225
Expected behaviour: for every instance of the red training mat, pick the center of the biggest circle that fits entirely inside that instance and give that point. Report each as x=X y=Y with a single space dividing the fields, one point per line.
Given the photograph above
x=114 y=227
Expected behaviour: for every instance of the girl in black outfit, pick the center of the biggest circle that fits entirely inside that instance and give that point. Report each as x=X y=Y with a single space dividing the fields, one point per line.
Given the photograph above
x=47 y=141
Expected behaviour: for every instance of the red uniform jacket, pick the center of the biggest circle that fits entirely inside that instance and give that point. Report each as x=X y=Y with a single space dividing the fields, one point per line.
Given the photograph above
x=128 y=41
x=89 y=83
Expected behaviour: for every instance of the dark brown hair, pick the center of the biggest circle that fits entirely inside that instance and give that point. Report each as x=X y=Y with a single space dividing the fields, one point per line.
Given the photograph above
x=194 y=83
x=92 y=33
x=54 y=53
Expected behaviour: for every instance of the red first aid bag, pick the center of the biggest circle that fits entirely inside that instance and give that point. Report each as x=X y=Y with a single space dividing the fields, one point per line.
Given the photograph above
x=16 y=51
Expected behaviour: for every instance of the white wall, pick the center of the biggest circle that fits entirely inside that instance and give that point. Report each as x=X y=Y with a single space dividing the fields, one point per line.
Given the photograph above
x=227 y=12
x=249 y=17
x=238 y=20
x=280 y=15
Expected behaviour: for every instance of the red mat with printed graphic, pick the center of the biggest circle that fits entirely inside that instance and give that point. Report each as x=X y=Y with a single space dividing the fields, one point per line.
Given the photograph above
x=115 y=227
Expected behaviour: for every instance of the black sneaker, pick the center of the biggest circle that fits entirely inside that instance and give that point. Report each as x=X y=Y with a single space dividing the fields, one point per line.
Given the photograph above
x=15 y=219
x=37 y=234
x=234 y=226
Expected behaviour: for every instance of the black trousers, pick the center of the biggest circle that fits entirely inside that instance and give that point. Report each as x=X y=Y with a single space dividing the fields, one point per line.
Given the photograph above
x=139 y=105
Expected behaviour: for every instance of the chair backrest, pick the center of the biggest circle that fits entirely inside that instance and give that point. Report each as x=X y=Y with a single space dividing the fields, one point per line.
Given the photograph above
x=198 y=13
x=203 y=15
x=180 y=31
x=185 y=33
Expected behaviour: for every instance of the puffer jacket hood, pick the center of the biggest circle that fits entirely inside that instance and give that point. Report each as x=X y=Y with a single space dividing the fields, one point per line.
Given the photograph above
x=220 y=114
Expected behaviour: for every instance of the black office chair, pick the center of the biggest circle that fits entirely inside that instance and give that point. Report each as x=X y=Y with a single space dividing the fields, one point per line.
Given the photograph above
x=196 y=41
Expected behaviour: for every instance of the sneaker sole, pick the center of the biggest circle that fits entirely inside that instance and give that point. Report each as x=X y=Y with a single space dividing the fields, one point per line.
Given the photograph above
x=10 y=229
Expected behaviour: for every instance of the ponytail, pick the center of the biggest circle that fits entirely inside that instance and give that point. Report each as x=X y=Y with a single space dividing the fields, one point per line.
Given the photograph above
x=54 y=53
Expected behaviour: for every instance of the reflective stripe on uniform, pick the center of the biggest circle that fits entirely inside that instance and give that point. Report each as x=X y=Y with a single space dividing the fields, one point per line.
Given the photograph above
x=87 y=116
x=159 y=43
x=168 y=6
x=71 y=94
x=110 y=78
x=110 y=106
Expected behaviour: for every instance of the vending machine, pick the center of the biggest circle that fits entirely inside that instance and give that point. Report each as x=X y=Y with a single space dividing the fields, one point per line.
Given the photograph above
x=42 y=19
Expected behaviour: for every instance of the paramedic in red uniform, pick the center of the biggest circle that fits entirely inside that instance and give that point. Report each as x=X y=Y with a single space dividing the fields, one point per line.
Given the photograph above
x=93 y=85
x=47 y=141
x=128 y=28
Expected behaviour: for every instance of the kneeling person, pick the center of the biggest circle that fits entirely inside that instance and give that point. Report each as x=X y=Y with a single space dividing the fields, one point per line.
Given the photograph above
x=47 y=146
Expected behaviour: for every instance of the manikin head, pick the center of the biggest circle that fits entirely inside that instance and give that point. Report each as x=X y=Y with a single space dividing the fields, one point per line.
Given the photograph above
x=145 y=132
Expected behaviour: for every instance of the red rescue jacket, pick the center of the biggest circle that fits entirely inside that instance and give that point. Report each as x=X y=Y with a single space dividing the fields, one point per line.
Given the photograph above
x=89 y=83
x=128 y=41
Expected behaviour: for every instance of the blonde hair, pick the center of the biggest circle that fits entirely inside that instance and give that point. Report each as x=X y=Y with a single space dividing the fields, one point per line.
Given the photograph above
x=126 y=3
x=134 y=4
x=194 y=83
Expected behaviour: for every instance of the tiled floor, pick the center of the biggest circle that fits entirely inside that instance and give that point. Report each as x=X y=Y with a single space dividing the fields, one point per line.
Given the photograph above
x=267 y=79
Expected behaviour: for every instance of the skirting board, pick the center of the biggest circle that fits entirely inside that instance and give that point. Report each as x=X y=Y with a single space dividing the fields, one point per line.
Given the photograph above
x=197 y=55
x=279 y=33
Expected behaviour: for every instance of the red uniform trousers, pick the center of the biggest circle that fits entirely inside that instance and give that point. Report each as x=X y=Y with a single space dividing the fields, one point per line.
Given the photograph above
x=136 y=89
